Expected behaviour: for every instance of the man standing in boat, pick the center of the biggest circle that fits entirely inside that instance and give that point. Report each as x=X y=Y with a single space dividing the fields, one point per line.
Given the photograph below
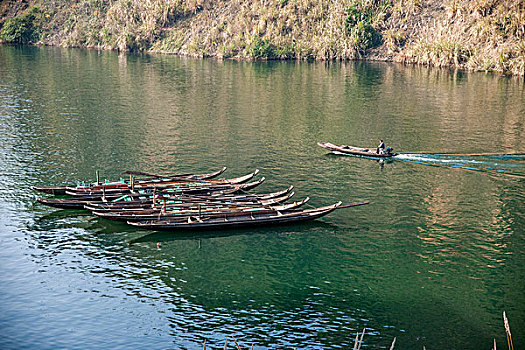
x=381 y=148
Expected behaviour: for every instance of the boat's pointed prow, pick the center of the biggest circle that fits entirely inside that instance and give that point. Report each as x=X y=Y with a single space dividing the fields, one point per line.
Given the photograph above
x=341 y=206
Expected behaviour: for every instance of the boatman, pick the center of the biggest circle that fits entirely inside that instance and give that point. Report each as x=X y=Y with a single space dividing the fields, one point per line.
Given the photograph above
x=381 y=148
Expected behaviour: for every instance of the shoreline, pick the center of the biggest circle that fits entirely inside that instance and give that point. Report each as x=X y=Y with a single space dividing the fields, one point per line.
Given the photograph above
x=468 y=36
x=376 y=59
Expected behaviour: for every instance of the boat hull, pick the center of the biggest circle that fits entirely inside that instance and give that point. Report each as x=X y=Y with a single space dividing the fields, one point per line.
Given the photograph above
x=202 y=211
x=196 y=223
x=356 y=151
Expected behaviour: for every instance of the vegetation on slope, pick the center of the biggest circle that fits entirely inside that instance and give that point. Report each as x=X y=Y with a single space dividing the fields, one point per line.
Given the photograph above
x=22 y=29
x=486 y=35
x=473 y=34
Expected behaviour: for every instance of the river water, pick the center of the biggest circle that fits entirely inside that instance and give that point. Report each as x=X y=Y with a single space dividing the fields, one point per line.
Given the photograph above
x=433 y=261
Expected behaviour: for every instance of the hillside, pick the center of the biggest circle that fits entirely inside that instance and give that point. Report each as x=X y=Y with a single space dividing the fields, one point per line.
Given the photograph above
x=483 y=35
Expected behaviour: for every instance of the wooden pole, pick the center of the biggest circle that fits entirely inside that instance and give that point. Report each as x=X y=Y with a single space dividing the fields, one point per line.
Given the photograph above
x=361 y=339
x=394 y=342
x=98 y=178
x=507 y=331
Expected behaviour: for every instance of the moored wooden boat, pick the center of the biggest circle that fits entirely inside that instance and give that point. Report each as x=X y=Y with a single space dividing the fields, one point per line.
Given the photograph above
x=189 y=176
x=202 y=211
x=160 y=184
x=55 y=190
x=358 y=151
x=63 y=203
x=61 y=190
x=241 y=219
x=216 y=193
x=168 y=202
x=177 y=189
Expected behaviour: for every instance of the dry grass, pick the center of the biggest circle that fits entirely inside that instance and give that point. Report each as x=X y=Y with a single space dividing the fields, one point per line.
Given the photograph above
x=485 y=35
x=290 y=29
x=126 y=25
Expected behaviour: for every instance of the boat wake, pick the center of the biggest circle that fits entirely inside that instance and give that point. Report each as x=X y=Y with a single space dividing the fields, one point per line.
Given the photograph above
x=504 y=164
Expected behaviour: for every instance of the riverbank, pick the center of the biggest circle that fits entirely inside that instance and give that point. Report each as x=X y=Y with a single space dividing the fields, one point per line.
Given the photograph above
x=479 y=35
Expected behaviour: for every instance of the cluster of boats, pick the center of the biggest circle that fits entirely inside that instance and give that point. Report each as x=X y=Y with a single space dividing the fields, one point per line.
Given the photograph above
x=185 y=201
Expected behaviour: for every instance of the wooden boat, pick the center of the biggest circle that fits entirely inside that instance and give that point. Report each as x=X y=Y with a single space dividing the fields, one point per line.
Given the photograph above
x=357 y=151
x=63 y=203
x=203 y=188
x=78 y=202
x=163 y=183
x=245 y=196
x=189 y=176
x=275 y=217
x=149 y=203
x=202 y=211
x=55 y=190
x=61 y=190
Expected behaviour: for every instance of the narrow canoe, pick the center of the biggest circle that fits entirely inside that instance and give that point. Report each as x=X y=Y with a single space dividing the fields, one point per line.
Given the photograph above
x=61 y=190
x=358 y=151
x=204 y=211
x=79 y=202
x=160 y=184
x=241 y=219
x=178 y=189
x=185 y=200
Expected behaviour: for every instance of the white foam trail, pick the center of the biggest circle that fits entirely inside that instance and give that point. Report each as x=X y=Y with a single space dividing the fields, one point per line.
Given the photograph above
x=415 y=157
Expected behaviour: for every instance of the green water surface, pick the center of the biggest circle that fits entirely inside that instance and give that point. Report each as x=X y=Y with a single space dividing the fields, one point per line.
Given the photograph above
x=433 y=261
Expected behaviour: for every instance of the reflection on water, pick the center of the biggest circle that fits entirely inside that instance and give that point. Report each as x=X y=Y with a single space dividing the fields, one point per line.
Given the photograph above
x=433 y=260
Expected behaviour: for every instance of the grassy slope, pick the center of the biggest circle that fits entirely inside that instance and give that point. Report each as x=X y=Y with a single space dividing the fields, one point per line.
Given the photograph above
x=473 y=34
x=274 y=29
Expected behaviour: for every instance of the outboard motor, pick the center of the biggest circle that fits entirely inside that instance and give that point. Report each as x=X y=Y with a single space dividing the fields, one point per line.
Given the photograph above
x=389 y=150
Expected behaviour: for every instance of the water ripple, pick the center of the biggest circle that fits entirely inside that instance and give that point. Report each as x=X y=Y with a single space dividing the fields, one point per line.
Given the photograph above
x=432 y=260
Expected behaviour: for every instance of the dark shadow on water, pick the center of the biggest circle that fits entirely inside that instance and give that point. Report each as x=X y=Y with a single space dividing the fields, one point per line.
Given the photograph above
x=63 y=213
x=168 y=236
x=381 y=161
x=61 y=218
x=83 y=219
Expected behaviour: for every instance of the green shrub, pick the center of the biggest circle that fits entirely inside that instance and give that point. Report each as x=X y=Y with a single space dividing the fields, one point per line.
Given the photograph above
x=358 y=24
x=366 y=37
x=262 y=49
x=285 y=52
x=22 y=29
x=354 y=16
